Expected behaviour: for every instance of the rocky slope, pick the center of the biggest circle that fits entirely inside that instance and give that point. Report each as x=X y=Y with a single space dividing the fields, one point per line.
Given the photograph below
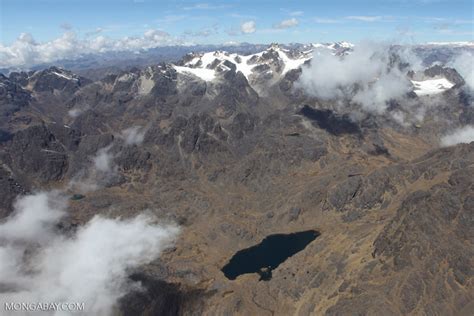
x=228 y=147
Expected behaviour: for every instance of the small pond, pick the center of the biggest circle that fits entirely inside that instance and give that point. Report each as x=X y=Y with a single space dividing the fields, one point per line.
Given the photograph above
x=268 y=255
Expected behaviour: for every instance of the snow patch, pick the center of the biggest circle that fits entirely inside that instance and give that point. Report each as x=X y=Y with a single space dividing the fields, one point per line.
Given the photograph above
x=204 y=74
x=432 y=86
x=290 y=63
x=64 y=76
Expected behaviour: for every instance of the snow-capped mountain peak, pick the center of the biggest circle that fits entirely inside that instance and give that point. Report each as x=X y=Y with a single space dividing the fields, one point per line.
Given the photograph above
x=274 y=61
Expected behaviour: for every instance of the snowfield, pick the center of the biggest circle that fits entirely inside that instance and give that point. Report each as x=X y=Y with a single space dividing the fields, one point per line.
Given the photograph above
x=432 y=86
x=205 y=66
x=204 y=74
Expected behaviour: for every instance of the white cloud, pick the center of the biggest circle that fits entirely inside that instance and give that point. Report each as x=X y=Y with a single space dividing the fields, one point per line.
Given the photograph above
x=34 y=217
x=364 y=18
x=461 y=135
x=172 y=18
x=206 y=6
x=326 y=20
x=388 y=86
x=464 y=64
x=101 y=172
x=25 y=51
x=156 y=36
x=242 y=16
x=103 y=160
x=296 y=13
x=231 y=43
x=37 y=264
x=362 y=76
x=287 y=23
x=248 y=27
x=133 y=135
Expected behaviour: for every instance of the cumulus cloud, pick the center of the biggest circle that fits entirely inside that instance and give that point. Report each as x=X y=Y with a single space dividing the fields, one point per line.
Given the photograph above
x=101 y=172
x=26 y=52
x=206 y=6
x=465 y=66
x=248 y=27
x=388 y=86
x=326 y=20
x=364 y=76
x=287 y=23
x=38 y=264
x=103 y=160
x=133 y=135
x=296 y=13
x=364 y=18
x=461 y=135
x=34 y=217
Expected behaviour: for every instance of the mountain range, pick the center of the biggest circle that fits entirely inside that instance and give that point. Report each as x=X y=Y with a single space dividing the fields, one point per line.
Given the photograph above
x=369 y=146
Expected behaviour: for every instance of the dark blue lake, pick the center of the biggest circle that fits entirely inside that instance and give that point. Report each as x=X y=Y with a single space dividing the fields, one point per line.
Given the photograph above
x=268 y=255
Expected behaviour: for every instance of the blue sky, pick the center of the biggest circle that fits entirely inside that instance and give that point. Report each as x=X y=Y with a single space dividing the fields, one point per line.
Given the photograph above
x=223 y=21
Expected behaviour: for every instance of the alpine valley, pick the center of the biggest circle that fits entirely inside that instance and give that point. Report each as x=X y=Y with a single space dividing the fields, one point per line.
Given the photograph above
x=361 y=150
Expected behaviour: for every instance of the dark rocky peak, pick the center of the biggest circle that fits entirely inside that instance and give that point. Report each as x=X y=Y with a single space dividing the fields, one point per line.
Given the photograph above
x=89 y=122
x=109 y=79
x=287 y=85
x=164 y=69
x=449 y=73
x=35 y=152
x=274 y=46
x=214 y=64
x=199 y=133
x=270 y=55
x=235 y=92
x=237 y=79
x=164 y=81
x=19 y=77
x=65 y=134
x=396 y=61
x=10 y=189
x=144 y=81
x=125 y=81
x=56 y=79
x=150 y=86
x=467 y=100
x=293 y=74
x=187 y=58
x=228 y=65
x=12 y=95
